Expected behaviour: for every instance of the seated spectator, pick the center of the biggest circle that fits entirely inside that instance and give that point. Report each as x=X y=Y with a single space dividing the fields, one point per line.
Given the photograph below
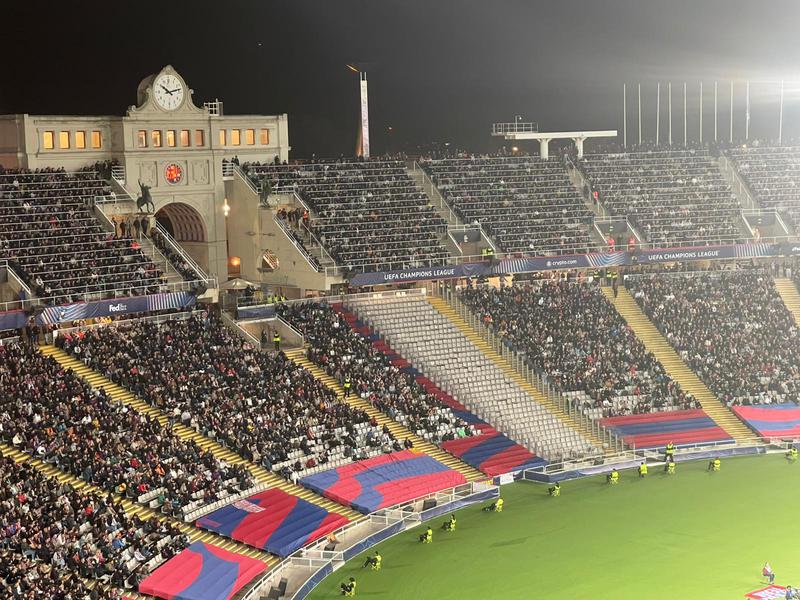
x=265 y=407
x=61 y=534
x=54 y=415
x=732 y=328
x=51 y=238
x=578 y=342
x=345 y=353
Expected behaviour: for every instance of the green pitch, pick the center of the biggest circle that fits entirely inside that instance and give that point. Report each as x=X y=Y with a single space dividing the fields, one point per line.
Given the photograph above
x=693 y=535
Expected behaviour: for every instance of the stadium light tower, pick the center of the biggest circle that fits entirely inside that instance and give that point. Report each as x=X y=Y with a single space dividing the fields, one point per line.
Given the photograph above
x=363 y=149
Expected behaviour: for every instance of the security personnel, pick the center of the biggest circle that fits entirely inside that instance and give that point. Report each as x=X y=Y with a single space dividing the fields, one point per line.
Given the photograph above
x=349 y=587
x=374 y=562
x=555 y=491
x=613 y=477
x=276 y=340
x=450 y=525
x=715 y=464
x=670 y=467
x=643 y=470
x=498 y=505
x=792 y=454
x=347 y=385
x=669 y=453
x=427 y=537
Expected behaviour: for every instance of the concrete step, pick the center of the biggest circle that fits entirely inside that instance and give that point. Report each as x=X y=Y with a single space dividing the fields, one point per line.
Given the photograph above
x=675 y=366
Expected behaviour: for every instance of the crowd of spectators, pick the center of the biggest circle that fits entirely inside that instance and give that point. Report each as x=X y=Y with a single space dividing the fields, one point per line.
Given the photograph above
x=262 y=405
x=731 y=327
x=54 y=535
x=344 y=353
x=370 y=215
x=673 y=197
x=51 y=237
x=51 y=413
x=528 y=205
x=570 y=333
x=773 y=175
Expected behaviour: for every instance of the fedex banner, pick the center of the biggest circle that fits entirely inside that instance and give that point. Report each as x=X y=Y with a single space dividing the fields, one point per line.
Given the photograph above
x=119 y=306
x=594 y=260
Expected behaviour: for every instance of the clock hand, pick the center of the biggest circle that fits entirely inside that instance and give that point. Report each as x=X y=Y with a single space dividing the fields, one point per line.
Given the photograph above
x=163 y=87
x=175 y=90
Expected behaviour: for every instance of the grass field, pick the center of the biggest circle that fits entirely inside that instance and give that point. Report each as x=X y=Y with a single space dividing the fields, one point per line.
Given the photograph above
x=692 y=535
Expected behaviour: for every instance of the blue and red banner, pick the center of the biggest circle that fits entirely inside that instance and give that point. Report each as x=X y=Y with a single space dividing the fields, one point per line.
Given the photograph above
x=202 y=572
x=273 y=521
x=654 y=430
x=384 y=480
x=772 y=420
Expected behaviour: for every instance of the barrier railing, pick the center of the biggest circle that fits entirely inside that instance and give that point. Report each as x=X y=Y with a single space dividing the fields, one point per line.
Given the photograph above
x=181 y=316
x=176 y=247
x=312 y=262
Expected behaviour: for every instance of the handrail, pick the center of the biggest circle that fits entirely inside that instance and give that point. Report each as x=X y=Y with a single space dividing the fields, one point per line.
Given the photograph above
x=12 y=273
x=245 y=335
x=324 y=255
x=256 y=189
x=436 y=194
x=301 y=249
x=180 y=316
x=172 y=243
x=103 y=217
x=292 y=329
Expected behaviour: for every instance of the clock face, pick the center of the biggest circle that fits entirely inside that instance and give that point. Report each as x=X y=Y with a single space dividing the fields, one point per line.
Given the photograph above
x=173 y=173
x=168 y=91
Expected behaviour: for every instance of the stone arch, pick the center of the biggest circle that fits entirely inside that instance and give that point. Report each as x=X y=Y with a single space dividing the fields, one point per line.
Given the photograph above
x=183 y=222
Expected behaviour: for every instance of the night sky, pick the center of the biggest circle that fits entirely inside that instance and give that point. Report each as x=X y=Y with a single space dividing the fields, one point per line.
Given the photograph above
x=439 y=70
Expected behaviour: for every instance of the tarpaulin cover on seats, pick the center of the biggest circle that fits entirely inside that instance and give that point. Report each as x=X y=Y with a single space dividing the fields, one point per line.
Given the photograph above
x=384 y=480
x=653 y=430
x=274 y=521
x=202 y=572
x=772 y=420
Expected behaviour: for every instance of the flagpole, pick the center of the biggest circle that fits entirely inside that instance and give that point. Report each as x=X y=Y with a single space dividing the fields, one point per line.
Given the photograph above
x=780 y=118
x=701 y=113
x=640 y=113
x=684 y=115
x=625 y=115
x=669 y=90
x=658 y=110
x=715 y=111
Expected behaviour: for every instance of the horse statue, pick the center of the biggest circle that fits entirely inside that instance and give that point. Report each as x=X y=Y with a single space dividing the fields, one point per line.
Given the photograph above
x=145 y=200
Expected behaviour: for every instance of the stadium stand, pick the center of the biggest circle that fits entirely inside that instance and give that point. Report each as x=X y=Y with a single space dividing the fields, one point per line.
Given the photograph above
x=59 y=418
x=49 y=234
x=573 y=336
x=655 y=430
x=370 y=215
x=673 y=197
x=392 y=384
x=773 y=175
x=441 y=351
x=274 y=521
x=528 y=205
x=202 y=572
x=68 y=533
x=731 y=328
x=262 y=405
x=384 y=480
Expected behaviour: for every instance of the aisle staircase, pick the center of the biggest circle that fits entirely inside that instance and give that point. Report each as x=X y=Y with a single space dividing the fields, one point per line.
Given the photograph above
x=676 y=368
x=260 y=474
x=508 y=369
x=397 y=430
x=791 y=298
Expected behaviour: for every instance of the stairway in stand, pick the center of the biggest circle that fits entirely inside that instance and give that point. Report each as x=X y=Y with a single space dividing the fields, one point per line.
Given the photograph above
x=260 y=474
x=674 y=365
x=447 y=311
x=397 y=430
x=788 y=293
